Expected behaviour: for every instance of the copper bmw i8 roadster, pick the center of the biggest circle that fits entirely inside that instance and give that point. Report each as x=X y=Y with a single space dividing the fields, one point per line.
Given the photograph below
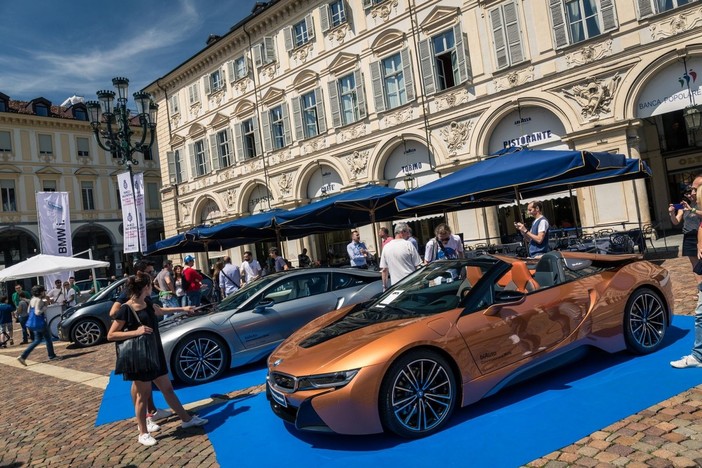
x=456 y=331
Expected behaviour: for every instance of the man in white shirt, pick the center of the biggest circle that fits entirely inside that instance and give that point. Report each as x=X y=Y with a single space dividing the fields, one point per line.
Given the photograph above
x=56 y=294
x=229 y=278
x=444 y=246
x=399 y=257
x=250 y=269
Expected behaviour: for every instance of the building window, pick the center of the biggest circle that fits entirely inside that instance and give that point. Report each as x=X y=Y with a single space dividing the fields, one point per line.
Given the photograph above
x=83 y=147
x=277 y=127
x=393 y=85
x=248 y=132
x=309 y=114
x=48 y=186
x=652 y=7
x=148 y=155
x=200 y=158
x=193 y=94
x=3 y=105
x=9 y=202
x=507 y=36
x=348 y=99
x=221 y=149
x=173 y=102
x=5 y=141
x=86 y=189
x=152 y=196
x=79 y=113
x=369 y=3
x=332 y=15
x=264 y=52
x=176 y=174
x=444 y=60
x=238 y=68
x=46 y=146
x=214 y=82
x=299 y=34
x=578 y=20
x=41 y=110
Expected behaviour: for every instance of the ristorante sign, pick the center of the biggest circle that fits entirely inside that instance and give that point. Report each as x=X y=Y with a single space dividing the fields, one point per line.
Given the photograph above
x=674 y=88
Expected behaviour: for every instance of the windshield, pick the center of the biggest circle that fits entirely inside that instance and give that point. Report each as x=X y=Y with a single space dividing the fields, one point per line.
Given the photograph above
x=111 y=291
x=436 y=288
x=235 y=300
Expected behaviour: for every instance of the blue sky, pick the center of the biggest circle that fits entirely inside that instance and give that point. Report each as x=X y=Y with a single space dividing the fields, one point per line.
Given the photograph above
x=56 y=49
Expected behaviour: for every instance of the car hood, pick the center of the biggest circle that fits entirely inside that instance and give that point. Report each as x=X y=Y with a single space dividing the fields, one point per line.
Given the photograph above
x=178 y=321
x=353 y=339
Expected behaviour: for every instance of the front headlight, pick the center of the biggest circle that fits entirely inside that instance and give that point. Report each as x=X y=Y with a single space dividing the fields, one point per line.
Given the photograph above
x=332 y=380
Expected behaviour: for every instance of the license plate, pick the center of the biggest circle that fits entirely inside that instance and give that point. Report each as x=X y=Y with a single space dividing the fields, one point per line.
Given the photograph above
x=278 y=397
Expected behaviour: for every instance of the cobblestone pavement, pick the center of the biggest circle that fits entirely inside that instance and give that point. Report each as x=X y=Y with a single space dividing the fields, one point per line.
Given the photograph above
x=49 y=412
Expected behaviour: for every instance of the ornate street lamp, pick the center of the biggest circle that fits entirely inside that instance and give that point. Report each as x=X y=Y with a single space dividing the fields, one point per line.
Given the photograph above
x=693 y=117
x=112 y=125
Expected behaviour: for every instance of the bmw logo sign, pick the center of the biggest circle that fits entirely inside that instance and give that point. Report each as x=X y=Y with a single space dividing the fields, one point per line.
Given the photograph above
x=277 y=362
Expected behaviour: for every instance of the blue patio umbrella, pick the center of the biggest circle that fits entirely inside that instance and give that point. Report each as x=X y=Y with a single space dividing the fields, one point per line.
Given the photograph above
x=188 y=242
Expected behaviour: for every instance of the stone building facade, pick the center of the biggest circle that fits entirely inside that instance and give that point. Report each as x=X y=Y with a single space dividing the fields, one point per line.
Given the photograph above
x=306 y=97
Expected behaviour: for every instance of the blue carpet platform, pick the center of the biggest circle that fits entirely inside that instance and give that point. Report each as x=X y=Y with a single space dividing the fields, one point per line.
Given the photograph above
x=508 y=429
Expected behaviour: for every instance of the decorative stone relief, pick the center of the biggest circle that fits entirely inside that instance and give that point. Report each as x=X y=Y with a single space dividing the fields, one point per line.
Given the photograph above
x=676 y=24
x=338 y=34
x=399 y=117
x=47 y=158
x=301 y=53
x=175 y=119
x=383 y=10
x=231 y=200
x=279 y=157
x=353 y=133
x=242 y=85
x=217 y=97
x=185 y=210
x=589 y=53
x=83 y=161
x=456 y=135
x=195 y=109
x=270 y=70
x=285 y=183
x=595 y=96
x=514 y=79
x=357 y=163
x=252 y=165
x=10 y=219
x=6 y=156
x=314 y=145
x=456 y=98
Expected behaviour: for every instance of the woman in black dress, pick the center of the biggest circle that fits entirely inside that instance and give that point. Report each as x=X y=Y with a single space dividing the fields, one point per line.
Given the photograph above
x=125 y=326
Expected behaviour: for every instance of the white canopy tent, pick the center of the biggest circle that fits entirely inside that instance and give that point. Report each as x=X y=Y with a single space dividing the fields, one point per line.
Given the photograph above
x=43 y=264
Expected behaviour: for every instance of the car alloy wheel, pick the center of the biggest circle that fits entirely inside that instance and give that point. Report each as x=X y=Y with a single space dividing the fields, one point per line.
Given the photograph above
x=418 y=394
x=200 y=358
x=645 y=321
x=87 y=332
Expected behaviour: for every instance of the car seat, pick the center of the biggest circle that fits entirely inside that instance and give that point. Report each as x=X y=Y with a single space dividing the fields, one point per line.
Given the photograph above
x=522 y=280
x=549 y=270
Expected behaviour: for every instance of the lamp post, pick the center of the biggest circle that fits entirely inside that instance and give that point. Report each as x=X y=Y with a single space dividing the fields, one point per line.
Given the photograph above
x=112 y=125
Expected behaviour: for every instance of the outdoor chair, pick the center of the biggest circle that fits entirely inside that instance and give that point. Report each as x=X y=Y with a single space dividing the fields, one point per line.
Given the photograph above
x=620 y=243
x=648 y=235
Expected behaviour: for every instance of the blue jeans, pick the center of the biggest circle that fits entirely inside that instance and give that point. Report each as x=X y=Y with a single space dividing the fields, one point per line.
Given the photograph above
x=26 y=335
x=40 y=335
x=697 y=347
x=194 y=297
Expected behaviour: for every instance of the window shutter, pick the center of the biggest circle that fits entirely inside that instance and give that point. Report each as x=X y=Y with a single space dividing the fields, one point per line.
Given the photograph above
x=309 y=23
x=232 y=72
x=427 y=66
x=239 y=142
x=269 y=49
x=230 y=145
x=257 y=53
x=257 y=137
x=333 y=88
x=378 y=89
x=560 y=34
x=206 y=82
x=172 y=175
x=286 y=125
x=498 y=35
x=348 y=13
x=407 y=73
x=513 y=33
x=214 y=153
x=266 y=128
x=193 y=161
x=206 y=149
x=462 y=59
x=645 y=8
x=297 y=117
x=287 y=34
x=360 y=94
x=321 y=117
x=247 y=67
x=180 y=163
x=609 y=16
x=324 y=17
x=224 y=78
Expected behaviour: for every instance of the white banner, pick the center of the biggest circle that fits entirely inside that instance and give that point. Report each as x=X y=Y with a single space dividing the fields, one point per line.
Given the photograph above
x=54 y=218
x=129 y=213
x=140 y=208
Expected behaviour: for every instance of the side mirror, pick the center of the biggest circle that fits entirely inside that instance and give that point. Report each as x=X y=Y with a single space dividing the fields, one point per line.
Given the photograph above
x=504 y=298
x=263 y=305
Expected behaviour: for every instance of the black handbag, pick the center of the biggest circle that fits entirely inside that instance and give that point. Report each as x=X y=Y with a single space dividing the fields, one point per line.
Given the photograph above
x=137 y=355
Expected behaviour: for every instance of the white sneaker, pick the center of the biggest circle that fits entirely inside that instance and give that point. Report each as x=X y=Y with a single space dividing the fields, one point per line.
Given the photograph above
x=194 y=422
x=151 y=426
x=147 y=440
x=161 y=414
x=685 y=362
